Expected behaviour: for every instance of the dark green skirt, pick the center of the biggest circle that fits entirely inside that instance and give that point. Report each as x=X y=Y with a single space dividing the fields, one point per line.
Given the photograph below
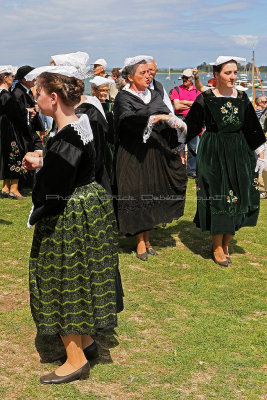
x=227 y=186
x=74 y=266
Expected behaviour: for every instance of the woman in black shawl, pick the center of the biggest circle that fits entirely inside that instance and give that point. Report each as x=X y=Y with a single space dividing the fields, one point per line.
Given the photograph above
x=151 y=179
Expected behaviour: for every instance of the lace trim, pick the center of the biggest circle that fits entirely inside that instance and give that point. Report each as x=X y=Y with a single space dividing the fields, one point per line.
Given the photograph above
x=83 y=128
x=148 y=129
x=181 y=135
x=172 y=122
x=260 y=148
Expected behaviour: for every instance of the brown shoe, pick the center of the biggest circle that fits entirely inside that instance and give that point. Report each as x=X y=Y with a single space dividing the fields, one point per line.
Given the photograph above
x=80 y=374
x=143 y=256
x=151 y=251
x=221 y=263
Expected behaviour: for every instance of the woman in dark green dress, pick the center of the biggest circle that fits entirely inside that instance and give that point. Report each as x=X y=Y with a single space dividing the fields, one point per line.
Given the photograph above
x=229 y=159
x=75 y=285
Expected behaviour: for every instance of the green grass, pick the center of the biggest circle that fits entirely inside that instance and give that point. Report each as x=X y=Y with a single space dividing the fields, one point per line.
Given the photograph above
x=191 y=330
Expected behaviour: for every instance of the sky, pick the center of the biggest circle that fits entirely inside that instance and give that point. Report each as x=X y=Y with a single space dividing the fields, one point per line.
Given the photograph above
x=177 y=33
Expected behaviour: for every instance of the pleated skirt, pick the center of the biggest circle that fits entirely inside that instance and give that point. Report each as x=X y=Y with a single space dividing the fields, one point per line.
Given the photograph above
x=227 y=185
x=75 y=285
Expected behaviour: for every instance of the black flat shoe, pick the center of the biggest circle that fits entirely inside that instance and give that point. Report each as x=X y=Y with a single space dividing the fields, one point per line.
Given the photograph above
x=151 y=251
x=91 y=351
x=4 y=194
x=143 y=256
x=15 y=196
x=80 y=374
x=221 y=263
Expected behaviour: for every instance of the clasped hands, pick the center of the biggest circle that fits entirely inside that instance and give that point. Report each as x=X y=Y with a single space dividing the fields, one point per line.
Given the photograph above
x=32 y=160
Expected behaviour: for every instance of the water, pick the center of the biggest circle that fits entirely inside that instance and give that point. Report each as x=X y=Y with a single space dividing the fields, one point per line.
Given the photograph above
x=174 y=81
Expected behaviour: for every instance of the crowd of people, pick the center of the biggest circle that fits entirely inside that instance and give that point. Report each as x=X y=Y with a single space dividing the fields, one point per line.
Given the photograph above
x=115 y=162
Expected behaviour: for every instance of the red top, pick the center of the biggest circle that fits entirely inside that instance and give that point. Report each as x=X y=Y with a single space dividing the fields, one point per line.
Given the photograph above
x=185 y=94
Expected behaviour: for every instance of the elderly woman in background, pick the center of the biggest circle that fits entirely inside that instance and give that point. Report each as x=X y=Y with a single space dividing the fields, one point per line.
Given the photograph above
x=13 y=131
x=229 y=158
x=100 y=89
x=151 y=180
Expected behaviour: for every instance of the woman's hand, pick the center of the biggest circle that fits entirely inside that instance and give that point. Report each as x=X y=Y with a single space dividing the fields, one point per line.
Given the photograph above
x=260 y=165
x=160 y=117
x=32 y=112
x=182 y=156
x=170 y=119
x=32 y=161
x=195 y=73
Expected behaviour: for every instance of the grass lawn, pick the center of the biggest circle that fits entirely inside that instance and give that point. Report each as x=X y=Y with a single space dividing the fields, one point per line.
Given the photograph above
x=191 y=330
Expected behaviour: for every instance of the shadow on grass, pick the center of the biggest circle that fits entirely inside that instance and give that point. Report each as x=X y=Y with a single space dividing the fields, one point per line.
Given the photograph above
x=4 y=222
x=160 y=237
x=192 y=237
x=199 y=242
x=51 y=348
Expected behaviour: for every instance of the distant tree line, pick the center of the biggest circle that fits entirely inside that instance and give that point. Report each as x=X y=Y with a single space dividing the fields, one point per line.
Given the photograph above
x=204 y=67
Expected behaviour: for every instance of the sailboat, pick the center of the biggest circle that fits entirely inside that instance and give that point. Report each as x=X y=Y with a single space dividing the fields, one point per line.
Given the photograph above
x=169 y=74
x=259 y=80
x=208 y=74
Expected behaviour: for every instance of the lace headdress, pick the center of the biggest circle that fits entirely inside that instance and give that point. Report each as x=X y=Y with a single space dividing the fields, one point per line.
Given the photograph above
x=100 y=80
x=54 y=69
x=224 y=59
x=77 y=60
x=8 y=69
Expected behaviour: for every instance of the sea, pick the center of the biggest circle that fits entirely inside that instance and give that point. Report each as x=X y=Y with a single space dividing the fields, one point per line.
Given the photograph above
x=174 y=80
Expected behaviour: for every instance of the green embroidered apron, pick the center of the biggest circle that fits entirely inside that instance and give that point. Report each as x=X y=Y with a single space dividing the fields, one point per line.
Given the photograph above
x=227 y=186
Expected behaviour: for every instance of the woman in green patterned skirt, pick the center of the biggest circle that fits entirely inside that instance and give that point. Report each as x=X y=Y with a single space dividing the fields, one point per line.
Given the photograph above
x=75 y=286
x=229 y=158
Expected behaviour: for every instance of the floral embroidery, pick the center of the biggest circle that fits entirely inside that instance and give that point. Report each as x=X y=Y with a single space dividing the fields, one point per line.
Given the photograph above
x=230 y=112
x=231 y=198
x=256 y=184
x=15 y=164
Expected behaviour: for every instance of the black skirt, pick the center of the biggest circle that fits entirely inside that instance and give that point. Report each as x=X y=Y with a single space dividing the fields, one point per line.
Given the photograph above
x=151 y=183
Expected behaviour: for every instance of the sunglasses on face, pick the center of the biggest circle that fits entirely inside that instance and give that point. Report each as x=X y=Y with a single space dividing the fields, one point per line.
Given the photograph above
x=185 y=78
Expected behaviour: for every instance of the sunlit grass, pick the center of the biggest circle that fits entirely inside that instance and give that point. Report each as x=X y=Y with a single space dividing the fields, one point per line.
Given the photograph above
x=190 y=329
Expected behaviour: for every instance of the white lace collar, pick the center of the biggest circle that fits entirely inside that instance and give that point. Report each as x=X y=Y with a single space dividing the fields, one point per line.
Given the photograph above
x=144 y=95
x=83 y=128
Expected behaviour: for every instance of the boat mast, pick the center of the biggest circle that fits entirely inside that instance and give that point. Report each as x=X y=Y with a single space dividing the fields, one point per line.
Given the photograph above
x=253 y=78
x=259 y=79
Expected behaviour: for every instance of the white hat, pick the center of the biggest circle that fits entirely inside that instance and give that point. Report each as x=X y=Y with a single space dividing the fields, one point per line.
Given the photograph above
x=8 y=69
x=66 y=70
x=224 y=59
x=241 y=88
x=134 y=60
x=101 y=61
x=99 y=80
x=187 y=72
x=78 y=60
